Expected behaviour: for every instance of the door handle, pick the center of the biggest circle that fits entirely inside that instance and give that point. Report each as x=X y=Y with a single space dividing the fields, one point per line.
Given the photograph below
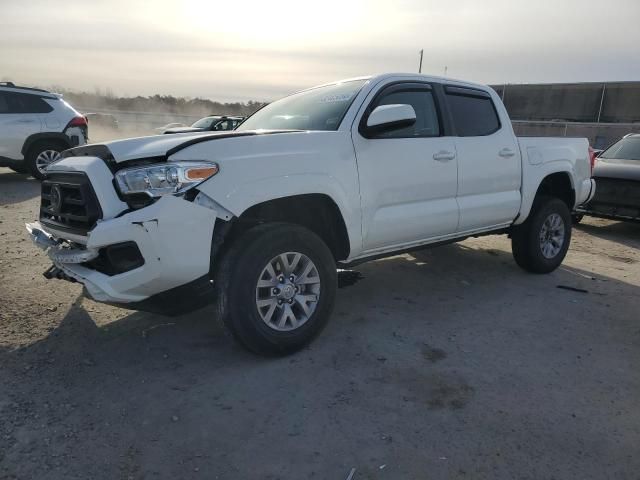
x=25 y=121
x=506 y=153
x=443 y=155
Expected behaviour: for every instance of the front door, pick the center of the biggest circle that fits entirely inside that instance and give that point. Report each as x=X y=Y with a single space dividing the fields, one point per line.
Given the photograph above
x=408 y=176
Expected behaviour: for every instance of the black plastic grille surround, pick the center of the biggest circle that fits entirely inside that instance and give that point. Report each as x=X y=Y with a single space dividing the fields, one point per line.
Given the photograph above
x=117 y=258
x=69 y=203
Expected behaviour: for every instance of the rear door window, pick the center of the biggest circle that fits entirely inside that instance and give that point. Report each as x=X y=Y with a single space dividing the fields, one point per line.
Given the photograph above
x=473 y=112
x=25 y=103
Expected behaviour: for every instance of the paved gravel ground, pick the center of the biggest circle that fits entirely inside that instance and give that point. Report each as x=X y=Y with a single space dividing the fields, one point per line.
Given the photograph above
x=446 y=363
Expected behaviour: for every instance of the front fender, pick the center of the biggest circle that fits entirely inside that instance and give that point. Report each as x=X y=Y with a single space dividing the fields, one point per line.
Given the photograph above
x=243 y=196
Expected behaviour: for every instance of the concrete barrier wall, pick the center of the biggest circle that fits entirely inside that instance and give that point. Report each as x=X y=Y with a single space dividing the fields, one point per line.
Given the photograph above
x=610 y=102
x=600 y=135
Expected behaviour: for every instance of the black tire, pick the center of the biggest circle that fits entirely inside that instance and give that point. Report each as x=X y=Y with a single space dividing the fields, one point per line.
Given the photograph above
x=525 y=238
x=35 y=150
x=237 y=276
x=576 y=218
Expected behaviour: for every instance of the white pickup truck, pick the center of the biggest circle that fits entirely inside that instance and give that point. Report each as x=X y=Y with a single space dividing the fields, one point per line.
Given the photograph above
x=257 y=219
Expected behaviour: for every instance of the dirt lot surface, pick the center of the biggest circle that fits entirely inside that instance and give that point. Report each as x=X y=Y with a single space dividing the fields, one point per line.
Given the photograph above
x=447 y=363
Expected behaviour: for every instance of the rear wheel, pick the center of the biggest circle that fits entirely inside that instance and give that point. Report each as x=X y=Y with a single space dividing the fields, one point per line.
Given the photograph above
x=276 y=288
x=41 y=155
x=540 y=244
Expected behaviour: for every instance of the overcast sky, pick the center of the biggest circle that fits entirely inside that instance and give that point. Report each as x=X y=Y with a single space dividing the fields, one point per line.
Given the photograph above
x=261 y=49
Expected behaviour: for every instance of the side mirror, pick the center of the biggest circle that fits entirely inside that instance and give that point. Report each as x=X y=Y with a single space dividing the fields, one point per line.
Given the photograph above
x=390 y=117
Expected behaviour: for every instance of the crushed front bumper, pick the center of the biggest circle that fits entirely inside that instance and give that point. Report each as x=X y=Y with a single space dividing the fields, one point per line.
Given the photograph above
x=172 y=235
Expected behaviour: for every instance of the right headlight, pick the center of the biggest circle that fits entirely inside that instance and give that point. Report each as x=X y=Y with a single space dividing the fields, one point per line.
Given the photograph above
x=171 y=178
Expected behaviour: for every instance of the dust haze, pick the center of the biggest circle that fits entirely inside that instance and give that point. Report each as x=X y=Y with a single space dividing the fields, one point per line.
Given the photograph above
x=141 y=116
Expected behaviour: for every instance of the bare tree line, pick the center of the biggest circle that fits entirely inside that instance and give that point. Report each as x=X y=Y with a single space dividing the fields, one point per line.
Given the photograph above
x=106 y=100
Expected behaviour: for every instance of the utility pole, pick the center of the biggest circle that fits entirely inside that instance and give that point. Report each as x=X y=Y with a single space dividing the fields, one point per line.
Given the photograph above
x=604 y=89
x=420 y=67
x=445 y=70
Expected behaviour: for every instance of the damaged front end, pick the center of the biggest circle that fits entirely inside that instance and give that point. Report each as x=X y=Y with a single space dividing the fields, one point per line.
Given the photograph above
x=153 y=257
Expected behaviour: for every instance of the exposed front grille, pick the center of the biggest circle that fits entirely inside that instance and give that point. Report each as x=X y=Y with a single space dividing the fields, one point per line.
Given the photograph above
x=68 y=203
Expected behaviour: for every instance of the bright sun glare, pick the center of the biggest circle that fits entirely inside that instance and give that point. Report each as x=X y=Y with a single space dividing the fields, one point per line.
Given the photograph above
x=273 y=24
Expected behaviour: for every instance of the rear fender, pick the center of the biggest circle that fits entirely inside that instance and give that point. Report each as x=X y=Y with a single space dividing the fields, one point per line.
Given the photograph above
x=45 y=136
x=542 y=157
x=532 y=185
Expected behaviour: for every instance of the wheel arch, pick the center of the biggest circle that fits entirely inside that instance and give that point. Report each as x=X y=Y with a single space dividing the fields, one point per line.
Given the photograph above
x=36 y=138
x=557 y=184
x=316 y=211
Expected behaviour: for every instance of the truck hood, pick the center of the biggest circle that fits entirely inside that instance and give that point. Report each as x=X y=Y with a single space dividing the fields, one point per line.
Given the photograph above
x=617 y=168
x=155 y=146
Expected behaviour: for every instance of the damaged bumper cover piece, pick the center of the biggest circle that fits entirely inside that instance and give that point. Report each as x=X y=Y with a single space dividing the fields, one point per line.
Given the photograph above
x=57 y=251
x=173 y=236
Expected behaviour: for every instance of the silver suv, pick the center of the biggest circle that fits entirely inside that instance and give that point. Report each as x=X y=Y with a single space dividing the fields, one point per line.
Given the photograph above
x=35 y=126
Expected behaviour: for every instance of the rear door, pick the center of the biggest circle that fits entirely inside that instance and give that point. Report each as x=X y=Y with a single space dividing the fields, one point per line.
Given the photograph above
x=489 y=163
x=408 y=176
x=20 y=116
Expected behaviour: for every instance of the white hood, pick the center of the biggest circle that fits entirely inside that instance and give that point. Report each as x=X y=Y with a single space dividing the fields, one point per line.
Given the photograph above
x=140 y=148
x=152 y=146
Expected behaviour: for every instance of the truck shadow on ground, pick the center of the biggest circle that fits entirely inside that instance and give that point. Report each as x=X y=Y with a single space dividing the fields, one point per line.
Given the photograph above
x=17 y=187
x=450 y=274
x=429 y=332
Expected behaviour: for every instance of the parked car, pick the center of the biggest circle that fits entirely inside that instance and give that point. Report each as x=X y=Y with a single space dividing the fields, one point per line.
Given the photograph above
x=169 y=125
x=102 y=120
x=617 y=176
x=35 y=126
x=258 y=219
x=214 y=123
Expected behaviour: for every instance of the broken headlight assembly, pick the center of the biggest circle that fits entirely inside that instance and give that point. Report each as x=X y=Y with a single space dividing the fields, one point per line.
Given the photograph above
x=141 y=185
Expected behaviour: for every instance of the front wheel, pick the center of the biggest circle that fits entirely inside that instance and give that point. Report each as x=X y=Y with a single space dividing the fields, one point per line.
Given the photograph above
x=540 y=244
x=276 y=288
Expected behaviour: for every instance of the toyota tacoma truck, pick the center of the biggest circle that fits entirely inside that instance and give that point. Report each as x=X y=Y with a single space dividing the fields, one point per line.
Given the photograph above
x=257 y=220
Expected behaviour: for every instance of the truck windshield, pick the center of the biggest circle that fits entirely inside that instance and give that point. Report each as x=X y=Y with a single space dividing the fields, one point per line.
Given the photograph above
x=626 y=149
x=320 y=108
